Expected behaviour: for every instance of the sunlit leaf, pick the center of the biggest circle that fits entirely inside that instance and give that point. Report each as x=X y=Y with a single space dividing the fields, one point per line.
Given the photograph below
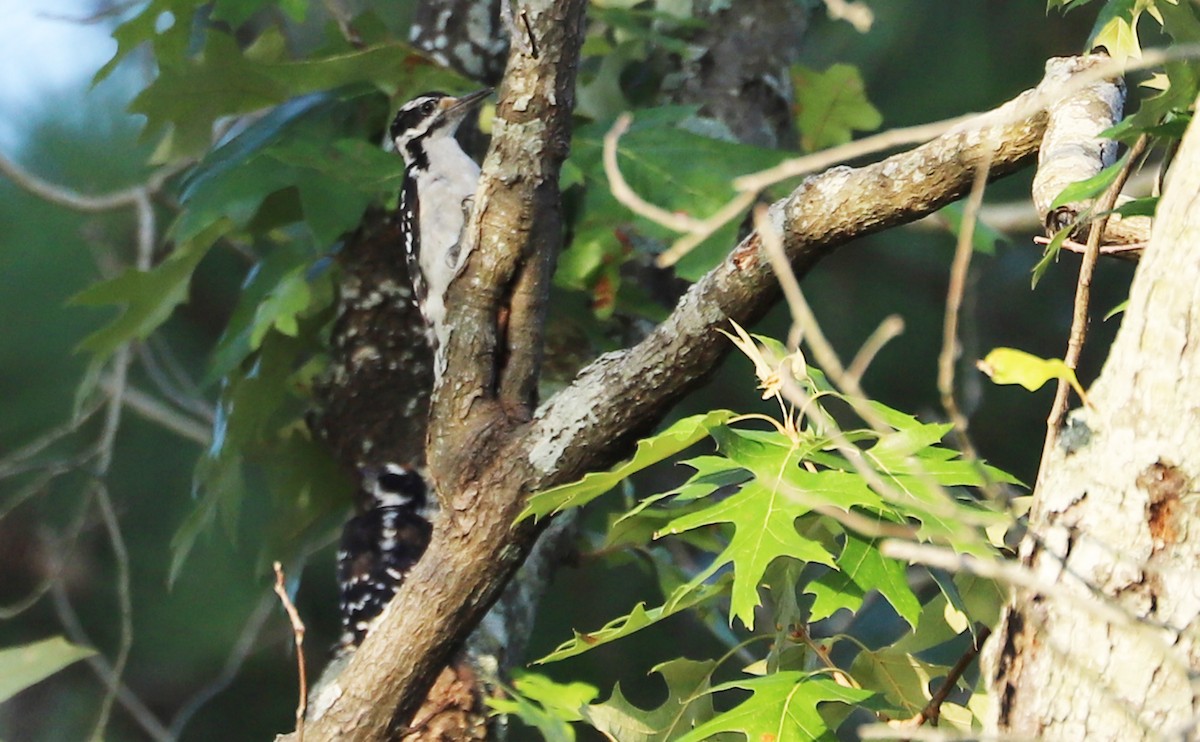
x=783 y=707
x=28 y=664
x=649 y=451
x=1012 y=366
x=687 y=705
x=544 y=704
x=637 y=619
x=764 y=530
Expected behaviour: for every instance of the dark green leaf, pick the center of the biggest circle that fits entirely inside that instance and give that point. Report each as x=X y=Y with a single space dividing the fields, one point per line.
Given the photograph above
x=149 y=296
x=1051 y=254
x=831 y=106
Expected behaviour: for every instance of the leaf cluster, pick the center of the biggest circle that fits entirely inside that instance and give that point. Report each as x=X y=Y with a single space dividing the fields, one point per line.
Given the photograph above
x=787 y=523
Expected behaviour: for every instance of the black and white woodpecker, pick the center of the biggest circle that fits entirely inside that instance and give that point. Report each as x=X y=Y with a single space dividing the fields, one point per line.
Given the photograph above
x=435 y=201
x=379 y=546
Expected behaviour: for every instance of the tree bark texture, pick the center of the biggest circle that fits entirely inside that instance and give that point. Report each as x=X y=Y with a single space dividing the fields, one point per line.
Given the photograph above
x=488 y=452
x=1110 y=651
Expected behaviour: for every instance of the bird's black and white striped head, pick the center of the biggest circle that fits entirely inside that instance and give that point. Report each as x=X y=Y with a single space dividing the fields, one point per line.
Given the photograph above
x=428 y=116
x=393 y=485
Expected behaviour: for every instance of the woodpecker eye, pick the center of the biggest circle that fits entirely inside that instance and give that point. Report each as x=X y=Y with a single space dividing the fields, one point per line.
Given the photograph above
x=427 y=107
x=395 y=483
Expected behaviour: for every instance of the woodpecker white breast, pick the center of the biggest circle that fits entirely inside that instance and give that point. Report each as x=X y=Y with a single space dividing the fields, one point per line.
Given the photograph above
x=435 y=201
x=379 y=546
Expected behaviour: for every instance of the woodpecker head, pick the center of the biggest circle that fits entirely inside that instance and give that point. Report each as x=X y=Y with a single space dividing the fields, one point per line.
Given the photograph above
x=392 y=485
x=430 y=115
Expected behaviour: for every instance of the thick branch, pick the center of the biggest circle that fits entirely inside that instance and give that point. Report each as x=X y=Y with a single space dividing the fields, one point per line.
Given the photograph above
x=487 y=461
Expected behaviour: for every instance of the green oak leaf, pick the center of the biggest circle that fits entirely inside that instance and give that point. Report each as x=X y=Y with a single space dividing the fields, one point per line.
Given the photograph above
x=783 y=708
x=688 y=704
x=831 y=106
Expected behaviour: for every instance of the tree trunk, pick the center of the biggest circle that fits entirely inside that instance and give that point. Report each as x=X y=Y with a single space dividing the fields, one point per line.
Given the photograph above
x=1107 y=648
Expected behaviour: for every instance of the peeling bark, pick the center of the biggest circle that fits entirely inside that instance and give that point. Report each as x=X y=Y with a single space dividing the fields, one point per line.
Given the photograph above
x=1114 y=522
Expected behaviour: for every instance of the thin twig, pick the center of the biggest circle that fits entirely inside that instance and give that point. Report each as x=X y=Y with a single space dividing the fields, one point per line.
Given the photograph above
x=17 y=462
x=840 y=676
x=155 y=411
x=890 y=328
x=63 y=196
x=933 y=709
x=1083 y=293
x=793 y=296
x=129 y=700
x=1128 y=250
x=948 y=357
x=298 y=633
x=171 y=380
x=125 y=602
x=627 y=196
x=1024 y=106
x=1018 y=575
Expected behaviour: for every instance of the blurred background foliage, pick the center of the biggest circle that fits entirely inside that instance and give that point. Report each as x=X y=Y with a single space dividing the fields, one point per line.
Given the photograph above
x=919 y=62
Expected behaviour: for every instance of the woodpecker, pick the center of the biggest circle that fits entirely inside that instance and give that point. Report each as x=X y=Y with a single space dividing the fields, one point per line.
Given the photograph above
x=379 y=546
x=439 y=184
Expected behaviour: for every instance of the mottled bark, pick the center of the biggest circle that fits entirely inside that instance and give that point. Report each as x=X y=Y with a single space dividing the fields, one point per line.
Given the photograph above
x=374 y=401
x=1110 y=653
x=738 y=67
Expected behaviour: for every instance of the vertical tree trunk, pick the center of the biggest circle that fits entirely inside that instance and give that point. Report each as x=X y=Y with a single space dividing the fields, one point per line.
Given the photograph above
x=1108 y=649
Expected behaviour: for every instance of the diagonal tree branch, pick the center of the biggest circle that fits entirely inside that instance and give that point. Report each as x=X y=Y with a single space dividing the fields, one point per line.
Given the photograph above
x=487 y=459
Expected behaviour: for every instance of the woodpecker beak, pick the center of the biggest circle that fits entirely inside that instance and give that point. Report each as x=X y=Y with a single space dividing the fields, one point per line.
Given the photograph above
x=458 y=107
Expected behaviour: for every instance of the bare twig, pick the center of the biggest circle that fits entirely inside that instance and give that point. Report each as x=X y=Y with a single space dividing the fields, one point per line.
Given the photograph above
x=772 y=243
x=155 y=411
x=121 y=555
x=891 y=327
x=626 y=195
x=63 y=196
x=1083 y=293
x=1131 y=251
x=948 y=357
x=19 y=462
x=933 y=709
x=1017 y=575
x=298 y=633
x=129 y=700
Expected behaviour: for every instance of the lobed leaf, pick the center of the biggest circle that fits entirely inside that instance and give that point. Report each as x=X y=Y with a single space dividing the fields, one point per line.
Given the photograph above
x=688 y=704
x=782 y=708
x=677 y=437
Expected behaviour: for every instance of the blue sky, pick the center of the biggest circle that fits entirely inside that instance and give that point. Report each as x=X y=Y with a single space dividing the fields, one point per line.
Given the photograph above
x=42 y=55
